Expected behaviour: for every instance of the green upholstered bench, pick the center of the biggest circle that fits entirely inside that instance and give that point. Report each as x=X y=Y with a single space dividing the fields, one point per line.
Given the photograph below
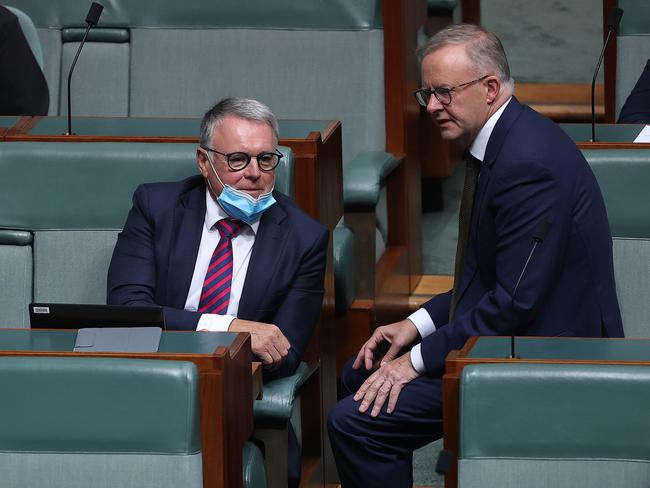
x=152 y=63
x=62 y=206
x=541 y=425
x=99 y=422
x=622 y=175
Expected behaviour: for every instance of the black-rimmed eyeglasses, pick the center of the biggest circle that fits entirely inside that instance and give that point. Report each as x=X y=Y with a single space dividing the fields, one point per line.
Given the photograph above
x=237 y=161
x=443 y=95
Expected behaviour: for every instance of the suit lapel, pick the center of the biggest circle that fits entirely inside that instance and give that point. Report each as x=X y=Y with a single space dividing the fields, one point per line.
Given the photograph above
x=267 y=250
x=187 y=228
x=497 y=138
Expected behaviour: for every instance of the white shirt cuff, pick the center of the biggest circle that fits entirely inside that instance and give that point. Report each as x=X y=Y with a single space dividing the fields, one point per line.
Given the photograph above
x=422 y=321
x=416 y=359
x=215 y=323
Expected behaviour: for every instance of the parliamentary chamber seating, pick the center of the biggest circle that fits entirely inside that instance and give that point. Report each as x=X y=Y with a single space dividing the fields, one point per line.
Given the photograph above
x=63 y=204
x=540 y=425
x=303 y=60
x=70 y=421
x=622 y=175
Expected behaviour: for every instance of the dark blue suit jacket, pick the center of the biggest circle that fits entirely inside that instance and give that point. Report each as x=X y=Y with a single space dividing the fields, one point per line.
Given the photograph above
x=153 y=262
x=531 y=171
x=636 y=109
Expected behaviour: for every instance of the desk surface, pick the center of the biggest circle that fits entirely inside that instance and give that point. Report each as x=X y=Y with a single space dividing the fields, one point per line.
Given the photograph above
x=171 y=342
x=604 y=132
x=562 y=349
x=150 y=126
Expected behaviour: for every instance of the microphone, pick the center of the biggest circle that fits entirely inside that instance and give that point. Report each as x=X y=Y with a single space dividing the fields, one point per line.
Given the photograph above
x=613 y=20
x=91 y=19
x=538 y=237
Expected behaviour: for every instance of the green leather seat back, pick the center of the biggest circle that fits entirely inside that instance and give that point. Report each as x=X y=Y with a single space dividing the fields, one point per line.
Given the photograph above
x=622 y=175
x=178 y=60
x=16 y=283
x=632 y=271
x=632 y=47
x=62 y=206
x=541 y=425
x=99 y=422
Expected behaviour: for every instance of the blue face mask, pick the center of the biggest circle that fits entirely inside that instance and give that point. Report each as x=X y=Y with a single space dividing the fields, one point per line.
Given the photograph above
x=239 y=204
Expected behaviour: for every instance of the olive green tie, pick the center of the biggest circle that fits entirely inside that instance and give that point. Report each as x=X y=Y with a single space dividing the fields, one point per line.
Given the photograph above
x=472 y=168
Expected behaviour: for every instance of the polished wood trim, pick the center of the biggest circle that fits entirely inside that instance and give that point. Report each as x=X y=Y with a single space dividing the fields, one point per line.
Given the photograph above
x=562 y=102
x=256 y=373
x=613 y=145
x=402 y=20
x=470 y=11
x=24 y=125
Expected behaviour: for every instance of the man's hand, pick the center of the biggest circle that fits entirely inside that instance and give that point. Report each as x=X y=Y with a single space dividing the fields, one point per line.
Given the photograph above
x=397 y=335
x=267 y=341
x=386 y=382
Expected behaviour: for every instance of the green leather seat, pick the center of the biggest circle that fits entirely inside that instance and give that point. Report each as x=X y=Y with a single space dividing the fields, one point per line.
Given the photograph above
x=72 y=422
x=560 y=425
x=622 y=175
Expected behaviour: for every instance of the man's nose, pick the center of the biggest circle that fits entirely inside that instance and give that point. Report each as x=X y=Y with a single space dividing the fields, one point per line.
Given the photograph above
x=434 y=105
x=253 y=169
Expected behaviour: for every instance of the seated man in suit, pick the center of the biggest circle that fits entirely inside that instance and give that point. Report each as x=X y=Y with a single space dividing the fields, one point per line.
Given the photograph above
x=636 y=109
x=223 y=250
x=522 y=171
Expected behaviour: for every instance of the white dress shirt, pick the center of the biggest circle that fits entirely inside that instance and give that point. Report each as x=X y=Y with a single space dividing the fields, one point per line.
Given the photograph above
x=421 y=318
x=242 y=246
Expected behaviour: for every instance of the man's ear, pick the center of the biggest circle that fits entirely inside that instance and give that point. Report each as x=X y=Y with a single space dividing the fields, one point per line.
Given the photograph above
x=202 y=162
x=493 y=85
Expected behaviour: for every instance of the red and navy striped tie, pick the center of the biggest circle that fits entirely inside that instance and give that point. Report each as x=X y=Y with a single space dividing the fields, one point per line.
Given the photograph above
x=215 y=294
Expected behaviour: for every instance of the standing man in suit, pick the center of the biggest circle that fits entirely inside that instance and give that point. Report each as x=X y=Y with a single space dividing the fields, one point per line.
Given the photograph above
x=521 y=170
x=223 y=250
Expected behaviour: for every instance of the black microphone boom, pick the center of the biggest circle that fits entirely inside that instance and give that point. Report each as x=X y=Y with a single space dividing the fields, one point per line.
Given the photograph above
x=613 y=21
x=91 y=19
x=538 y=237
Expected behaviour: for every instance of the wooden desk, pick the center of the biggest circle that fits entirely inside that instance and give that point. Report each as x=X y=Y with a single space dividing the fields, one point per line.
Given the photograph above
x=225 y=382
x=558 y=350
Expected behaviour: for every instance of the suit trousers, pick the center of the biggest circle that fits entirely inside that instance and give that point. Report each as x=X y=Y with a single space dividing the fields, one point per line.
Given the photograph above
x=378 y=452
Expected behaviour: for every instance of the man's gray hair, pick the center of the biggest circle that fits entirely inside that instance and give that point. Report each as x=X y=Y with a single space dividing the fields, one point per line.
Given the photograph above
x=245 y=108
x=483 y=48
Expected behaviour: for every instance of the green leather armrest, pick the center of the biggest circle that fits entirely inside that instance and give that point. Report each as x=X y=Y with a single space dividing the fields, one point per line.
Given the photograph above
x=98 y=34
x=254 y=475
x=364 y=176
x=11 y=237
x=344 y=289
x=279 y=395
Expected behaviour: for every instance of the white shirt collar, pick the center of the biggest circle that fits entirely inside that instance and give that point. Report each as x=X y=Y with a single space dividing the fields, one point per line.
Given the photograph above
x=478 y=147
x=214 y=213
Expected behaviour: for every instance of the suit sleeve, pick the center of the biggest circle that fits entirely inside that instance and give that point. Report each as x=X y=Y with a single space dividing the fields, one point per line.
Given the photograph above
x=300 y=309
x=132 y=272
x=528 y=194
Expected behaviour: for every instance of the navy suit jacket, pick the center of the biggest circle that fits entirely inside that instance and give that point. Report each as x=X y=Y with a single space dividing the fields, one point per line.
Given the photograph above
x=531 y=171
x=153 y=262
x=636 y=109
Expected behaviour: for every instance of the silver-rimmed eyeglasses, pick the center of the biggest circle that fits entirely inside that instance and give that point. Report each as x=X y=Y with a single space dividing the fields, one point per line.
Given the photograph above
x=237 y=161
x=442 y=94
